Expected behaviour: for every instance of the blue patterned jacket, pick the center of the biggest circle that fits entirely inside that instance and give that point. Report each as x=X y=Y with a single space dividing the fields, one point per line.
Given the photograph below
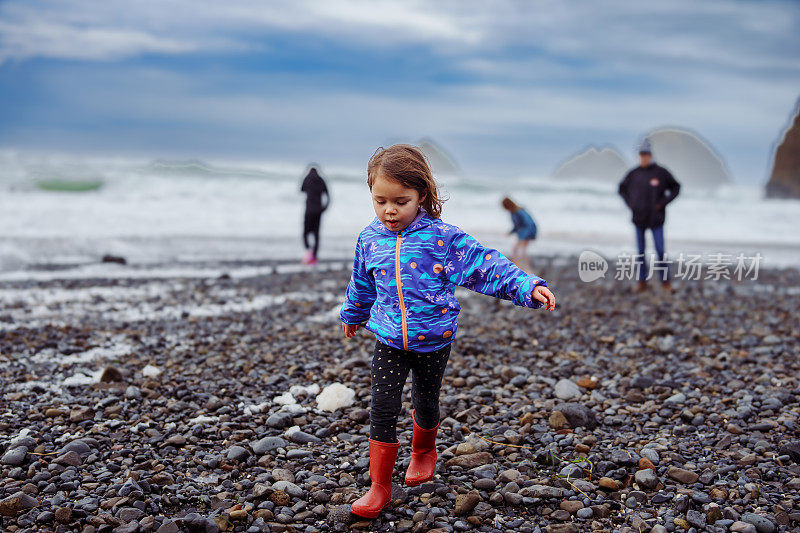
x=403 y=283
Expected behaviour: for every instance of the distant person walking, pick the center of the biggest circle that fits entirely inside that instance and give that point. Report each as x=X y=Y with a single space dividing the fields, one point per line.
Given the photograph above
x=314 y=187
x=647 y=189
x=525 y=228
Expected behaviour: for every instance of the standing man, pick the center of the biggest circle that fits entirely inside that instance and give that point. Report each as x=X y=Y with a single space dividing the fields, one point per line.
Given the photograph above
x=647 y=189
x=314 y=187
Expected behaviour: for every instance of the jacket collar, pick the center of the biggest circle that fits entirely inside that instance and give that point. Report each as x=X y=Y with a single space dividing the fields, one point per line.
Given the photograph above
x=420 y=221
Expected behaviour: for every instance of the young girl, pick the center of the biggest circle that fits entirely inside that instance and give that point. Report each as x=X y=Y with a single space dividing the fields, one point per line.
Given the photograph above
x=407 y=264
x=525 y=228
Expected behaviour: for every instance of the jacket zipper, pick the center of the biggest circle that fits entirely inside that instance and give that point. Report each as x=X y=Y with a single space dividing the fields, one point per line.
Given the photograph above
x=400 y=291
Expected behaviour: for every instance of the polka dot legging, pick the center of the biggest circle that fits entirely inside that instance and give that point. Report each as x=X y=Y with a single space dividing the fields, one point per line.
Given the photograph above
x=390 y=368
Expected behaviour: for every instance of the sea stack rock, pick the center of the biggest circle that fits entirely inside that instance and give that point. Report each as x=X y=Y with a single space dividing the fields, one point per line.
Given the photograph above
x=604 y=164
x=441 y=162
x=785 y=179
x=692 y=160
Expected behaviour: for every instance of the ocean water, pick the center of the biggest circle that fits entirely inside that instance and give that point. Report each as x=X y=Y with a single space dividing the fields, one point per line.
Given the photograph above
x=180 y=216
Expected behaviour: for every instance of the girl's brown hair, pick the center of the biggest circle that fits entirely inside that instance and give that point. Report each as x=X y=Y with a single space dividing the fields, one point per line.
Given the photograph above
x=407 y=165
x=510 y=205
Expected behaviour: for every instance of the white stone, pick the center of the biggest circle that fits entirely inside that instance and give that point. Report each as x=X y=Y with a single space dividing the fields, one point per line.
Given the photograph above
x=567 y=390
x=335 y=396
x=202 y=419
x=256 y=408
x=284 y=399
x=150 y=371
x=676 y=398
x=311 y=390
x=81 y=378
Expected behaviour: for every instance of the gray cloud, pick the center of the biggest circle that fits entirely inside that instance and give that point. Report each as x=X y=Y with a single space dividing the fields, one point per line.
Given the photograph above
x=722 y=33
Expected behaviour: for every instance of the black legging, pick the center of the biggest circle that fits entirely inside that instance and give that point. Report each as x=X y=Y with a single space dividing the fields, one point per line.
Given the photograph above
x=390 y=368
x=311 y=226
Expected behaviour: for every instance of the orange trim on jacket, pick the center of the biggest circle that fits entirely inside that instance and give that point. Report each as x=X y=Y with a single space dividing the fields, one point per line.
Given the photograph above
x=400 y=290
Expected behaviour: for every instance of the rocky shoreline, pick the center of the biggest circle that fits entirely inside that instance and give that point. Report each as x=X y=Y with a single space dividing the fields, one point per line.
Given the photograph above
x=160 y=404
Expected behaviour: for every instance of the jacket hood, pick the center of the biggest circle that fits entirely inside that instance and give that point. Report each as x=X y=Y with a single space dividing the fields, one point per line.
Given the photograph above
x=422 y=220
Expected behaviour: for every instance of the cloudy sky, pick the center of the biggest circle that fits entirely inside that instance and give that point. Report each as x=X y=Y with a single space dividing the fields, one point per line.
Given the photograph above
x=507 y=87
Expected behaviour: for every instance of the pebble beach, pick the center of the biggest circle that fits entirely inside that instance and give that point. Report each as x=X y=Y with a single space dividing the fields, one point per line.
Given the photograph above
x=171 y=402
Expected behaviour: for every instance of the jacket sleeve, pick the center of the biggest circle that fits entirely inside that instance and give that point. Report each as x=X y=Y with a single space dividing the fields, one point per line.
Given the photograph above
x=624 y=188
x=672 y=186
x=361 y=294
x=489 y=272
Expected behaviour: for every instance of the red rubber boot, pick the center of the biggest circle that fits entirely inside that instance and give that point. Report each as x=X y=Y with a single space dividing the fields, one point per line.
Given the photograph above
x=382 y=456
x=423 y=455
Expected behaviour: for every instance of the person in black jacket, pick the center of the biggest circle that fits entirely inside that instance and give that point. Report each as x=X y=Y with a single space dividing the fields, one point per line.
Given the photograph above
x=647 y=189
x=314 y=187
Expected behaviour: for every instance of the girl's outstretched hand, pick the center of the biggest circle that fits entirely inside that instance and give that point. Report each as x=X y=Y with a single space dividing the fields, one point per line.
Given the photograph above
x=543 y=294
x=349 y=329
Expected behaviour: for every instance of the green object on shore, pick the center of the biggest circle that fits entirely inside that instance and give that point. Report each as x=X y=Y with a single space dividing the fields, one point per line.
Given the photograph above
x=69 y=185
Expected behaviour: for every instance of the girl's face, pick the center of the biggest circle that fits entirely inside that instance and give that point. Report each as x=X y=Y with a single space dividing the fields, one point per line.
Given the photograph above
x=395 y=204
